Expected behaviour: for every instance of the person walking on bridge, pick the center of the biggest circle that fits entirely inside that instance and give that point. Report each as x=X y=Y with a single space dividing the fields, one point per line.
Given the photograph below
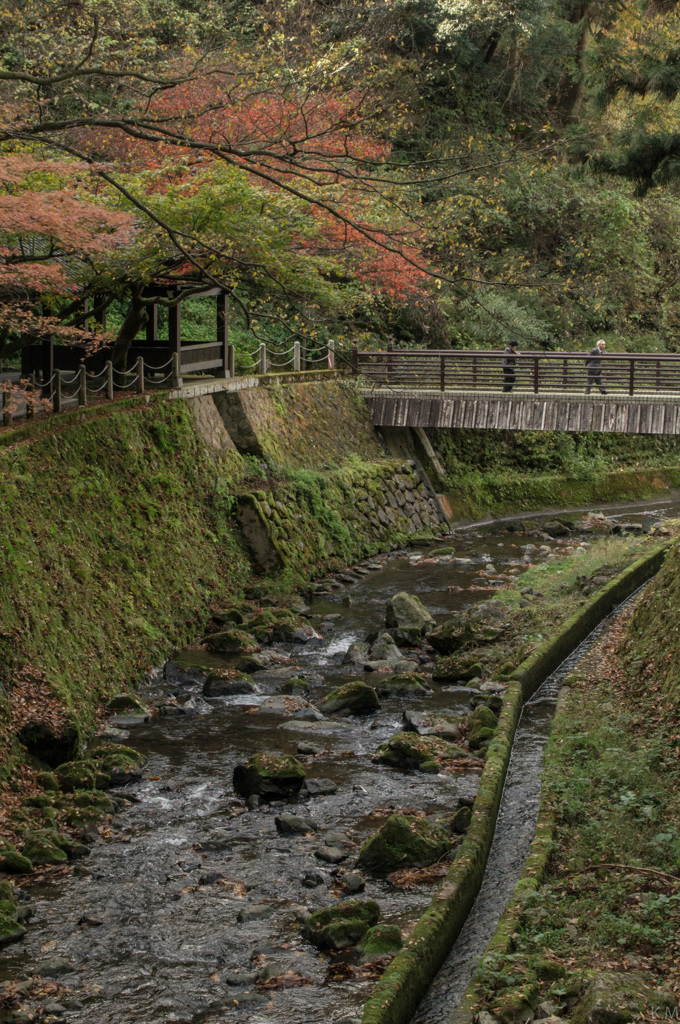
x=509 y=364
x=594 y=368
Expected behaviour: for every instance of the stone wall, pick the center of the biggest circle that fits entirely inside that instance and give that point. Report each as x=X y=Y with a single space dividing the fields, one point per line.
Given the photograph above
x=314 y=425
x=339 y=516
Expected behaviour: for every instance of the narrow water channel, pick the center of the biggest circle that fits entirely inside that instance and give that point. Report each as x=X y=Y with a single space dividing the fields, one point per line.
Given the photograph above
x=514 y=833
x=154 y=925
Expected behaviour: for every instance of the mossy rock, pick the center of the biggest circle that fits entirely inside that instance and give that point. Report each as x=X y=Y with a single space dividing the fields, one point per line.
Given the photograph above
x=342 y=925
x=381 y=939
x=6 y=892
x=39 y=800
x=354 y=697
x=296 y=687
x=408 y=750
x=614 y=997
x=43 y=847
x=14 y=863
x=223 y=616
x=463 y=632
x=10 y=929
x=407 y=614
x=457 y=667
x=404 y=684
x=80 y=775
x=404 y=841
x=482 y=726
x=442 y=552
x=270 y=776
x=515 y=1005
x=232 y=641
x=126 y=702
x=227 y=683
x=118 y=759
x=48 y=781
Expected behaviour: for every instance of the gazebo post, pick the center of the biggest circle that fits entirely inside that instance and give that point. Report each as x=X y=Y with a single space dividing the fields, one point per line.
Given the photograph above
x=152 y=324
x=223 y=330
x=174 y=331
x=47 y=359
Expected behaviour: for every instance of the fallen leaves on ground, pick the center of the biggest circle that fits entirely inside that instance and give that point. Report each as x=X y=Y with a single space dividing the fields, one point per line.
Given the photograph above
x=408 y=878
x=288 y=980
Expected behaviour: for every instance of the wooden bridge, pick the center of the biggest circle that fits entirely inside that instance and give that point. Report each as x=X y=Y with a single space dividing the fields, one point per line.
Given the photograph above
x=629 y=393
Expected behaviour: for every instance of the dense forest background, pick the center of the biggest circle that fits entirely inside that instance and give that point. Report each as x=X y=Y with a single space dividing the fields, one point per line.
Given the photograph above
x=433 y=172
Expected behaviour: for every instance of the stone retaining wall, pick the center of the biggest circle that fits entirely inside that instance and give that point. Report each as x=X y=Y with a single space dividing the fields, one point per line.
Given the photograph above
x=342 y=515
x=396 y=996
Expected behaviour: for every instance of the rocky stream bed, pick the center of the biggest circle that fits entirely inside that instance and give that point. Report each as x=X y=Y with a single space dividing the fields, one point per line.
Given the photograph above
x=193 y=902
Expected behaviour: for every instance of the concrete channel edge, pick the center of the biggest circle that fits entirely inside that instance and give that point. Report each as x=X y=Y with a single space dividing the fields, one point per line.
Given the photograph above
x=397 y=994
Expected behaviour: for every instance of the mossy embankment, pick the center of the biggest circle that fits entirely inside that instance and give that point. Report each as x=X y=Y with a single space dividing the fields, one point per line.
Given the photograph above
x=601 y=889
x=491 y=472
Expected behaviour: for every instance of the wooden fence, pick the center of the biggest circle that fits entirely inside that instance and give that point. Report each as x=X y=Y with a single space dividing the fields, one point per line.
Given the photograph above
x=631 y=373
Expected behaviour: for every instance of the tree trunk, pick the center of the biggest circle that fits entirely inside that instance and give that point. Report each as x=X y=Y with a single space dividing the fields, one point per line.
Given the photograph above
x=571 y=90
x=135 y=319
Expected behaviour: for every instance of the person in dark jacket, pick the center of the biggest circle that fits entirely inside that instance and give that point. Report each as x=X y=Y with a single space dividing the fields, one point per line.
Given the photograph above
x=594 y=368
x=509 y=363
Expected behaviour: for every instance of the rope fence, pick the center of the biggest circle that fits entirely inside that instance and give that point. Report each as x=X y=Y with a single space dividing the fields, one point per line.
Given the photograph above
x=75 y=388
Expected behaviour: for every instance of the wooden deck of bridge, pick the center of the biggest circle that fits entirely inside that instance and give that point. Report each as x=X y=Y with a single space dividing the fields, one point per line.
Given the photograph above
x=524 y=410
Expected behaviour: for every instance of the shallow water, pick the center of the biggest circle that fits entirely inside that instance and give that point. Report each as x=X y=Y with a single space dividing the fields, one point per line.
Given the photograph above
x=165 y=886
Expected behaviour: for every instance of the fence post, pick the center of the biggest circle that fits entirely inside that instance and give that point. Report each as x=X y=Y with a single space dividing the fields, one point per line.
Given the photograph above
x=82 y=387
x=390 y=359
x=535 y=375
x=631 y=377
x=296 y=357
x=6 y=414
x=355 y=360
x=139 y=369
x=442 y=372
x=109 y=379
x=30 y=406
x=231 y=360
x=263 y=357
x=175 y=375
x=331 y=354
x=56 y=404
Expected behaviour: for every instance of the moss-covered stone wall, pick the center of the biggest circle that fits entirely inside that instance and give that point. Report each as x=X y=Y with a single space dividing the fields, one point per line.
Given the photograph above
x=319 y=519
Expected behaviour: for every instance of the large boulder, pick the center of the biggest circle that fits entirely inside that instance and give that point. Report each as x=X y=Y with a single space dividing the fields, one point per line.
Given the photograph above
x=356 y=653
x=408 y=750
x=381 y=939
x=404 y=684
x=232 y=641
x=481 y=726
x=404 y=842
x=354 y=698
x=409 y=616
x=342 y=925
x=10 y=929
x=472 y=627
x=81 y=775
x=281 y=626
x=226 y=683
x=445 y=726
x=614 y=997
x=383 y=652
x=269 y=776
x=46 y=846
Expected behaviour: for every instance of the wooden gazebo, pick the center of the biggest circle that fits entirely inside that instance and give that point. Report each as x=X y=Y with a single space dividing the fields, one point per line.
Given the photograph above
x=204 y=356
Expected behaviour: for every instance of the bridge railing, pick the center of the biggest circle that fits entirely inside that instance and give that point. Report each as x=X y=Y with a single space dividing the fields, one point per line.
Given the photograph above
x=535 y=372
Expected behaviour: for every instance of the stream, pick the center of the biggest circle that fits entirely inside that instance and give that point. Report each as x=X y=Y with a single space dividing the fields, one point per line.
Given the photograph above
x=145 y=929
